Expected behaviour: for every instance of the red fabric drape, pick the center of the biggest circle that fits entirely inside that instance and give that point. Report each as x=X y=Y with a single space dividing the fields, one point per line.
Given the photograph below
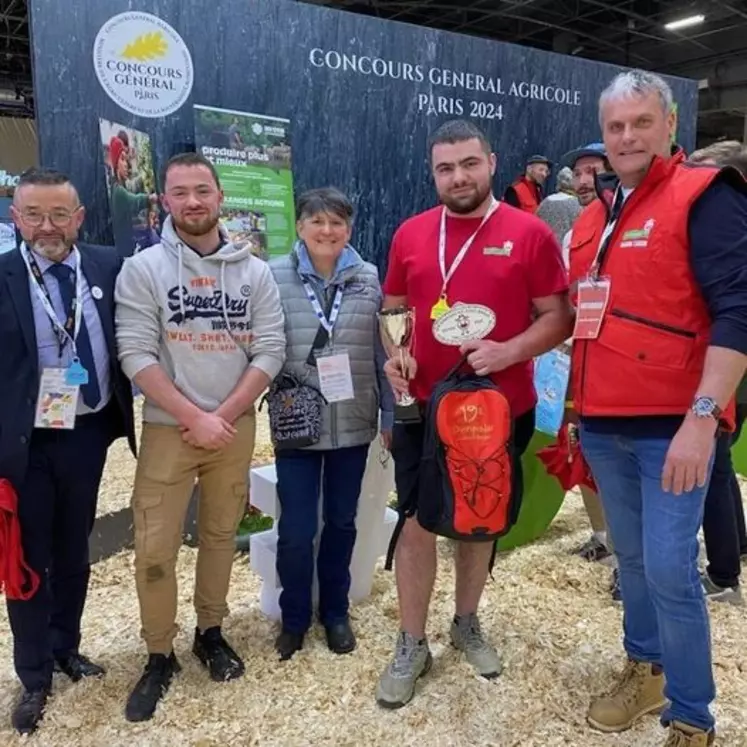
x=17 y=580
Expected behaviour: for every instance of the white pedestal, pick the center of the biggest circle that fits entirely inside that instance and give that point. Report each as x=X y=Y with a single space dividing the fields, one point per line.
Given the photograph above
x=375 y=523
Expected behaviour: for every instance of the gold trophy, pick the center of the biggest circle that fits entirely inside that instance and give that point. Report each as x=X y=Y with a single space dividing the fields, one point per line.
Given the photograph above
x=397 y=327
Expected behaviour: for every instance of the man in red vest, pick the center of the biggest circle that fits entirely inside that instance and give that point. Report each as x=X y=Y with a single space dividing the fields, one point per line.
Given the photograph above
x=658 y=270
x=526 y=192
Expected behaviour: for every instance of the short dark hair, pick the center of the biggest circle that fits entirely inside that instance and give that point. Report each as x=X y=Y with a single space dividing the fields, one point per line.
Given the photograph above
x=189 y=159
x=457 y=131
x=324 y=200
x=43 y=177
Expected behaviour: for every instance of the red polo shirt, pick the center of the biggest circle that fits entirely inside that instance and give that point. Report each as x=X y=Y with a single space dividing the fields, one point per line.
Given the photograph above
x=514 y=259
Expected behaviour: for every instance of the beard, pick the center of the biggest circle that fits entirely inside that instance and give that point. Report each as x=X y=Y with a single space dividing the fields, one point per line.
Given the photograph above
x=586 y=198
x=468 y=202
x=53 y=248
x=196 y=226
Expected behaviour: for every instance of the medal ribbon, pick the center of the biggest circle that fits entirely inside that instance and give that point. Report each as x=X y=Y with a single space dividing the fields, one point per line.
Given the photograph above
x=463 y=251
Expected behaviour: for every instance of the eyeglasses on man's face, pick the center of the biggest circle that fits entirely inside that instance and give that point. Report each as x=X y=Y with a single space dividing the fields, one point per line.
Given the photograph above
x=59 y=217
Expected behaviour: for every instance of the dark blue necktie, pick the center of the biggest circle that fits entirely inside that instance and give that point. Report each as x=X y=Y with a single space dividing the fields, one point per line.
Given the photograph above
x=66 y=281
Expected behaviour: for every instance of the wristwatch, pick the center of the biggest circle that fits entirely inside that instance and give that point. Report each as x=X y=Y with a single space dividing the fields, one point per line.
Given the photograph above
x=706 y=407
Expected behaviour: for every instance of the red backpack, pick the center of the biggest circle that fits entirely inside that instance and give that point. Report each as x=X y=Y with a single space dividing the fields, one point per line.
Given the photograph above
x=467 y=481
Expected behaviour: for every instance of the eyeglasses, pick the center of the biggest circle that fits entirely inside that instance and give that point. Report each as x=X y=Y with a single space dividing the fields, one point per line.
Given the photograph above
x=59 y=218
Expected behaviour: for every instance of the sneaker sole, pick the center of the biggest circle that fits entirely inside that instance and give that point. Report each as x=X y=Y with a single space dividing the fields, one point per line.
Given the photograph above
x=614 y=729
x=727 y=597
x=393 y=705
x=489 y=675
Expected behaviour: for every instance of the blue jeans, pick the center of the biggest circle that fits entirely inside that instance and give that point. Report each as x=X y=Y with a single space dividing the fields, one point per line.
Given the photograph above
x=655 y=537
x=300 y=475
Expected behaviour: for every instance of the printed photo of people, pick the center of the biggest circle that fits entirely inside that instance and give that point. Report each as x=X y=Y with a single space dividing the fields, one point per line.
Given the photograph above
x=131 y=184
x=247 y=227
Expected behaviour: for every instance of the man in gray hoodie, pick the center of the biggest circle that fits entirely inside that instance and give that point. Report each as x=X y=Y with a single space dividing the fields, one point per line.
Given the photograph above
x=200 y=331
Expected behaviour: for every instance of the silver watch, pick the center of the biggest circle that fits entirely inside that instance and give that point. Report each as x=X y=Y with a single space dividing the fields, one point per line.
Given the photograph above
x=706 y=407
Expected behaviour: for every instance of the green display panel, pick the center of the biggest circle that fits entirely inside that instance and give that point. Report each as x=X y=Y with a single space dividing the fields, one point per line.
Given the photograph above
x=542 y=499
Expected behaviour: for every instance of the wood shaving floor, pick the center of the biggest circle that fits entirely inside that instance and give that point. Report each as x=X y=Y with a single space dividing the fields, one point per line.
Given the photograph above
x=548 y=611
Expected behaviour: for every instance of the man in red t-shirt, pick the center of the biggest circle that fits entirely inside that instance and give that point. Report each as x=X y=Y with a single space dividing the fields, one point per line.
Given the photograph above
x=512 y=264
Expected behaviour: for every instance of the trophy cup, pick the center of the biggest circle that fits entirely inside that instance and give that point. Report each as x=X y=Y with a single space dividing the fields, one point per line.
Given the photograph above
x=397 y=327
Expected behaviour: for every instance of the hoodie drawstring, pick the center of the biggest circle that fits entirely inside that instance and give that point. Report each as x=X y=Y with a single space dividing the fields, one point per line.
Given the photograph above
x=224 y=308
x=180 y=250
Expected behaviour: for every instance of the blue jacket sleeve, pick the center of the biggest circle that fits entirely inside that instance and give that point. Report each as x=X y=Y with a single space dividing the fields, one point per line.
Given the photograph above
x=717 y=226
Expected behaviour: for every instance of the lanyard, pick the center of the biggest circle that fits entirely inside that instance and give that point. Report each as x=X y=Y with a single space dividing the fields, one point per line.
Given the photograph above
x=604 y=243
x=328 y=324
x=67 y=331
x=463 y=251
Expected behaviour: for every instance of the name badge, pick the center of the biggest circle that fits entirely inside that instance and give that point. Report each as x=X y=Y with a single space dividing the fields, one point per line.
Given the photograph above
x=57 y=403
x=335 y=378
x=593 y=297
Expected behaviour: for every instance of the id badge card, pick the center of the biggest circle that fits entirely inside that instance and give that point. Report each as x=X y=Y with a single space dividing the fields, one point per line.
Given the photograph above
x=335 y=377
x=57 y=403
x=593 y=297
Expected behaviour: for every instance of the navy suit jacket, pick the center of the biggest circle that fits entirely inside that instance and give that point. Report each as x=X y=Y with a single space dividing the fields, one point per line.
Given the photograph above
x=19 y=365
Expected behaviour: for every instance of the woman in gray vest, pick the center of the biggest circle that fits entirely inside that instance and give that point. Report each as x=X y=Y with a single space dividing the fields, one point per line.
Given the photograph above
x=324 y=413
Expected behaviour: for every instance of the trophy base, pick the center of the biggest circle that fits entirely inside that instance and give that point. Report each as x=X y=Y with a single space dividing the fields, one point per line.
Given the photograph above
x=407 y=413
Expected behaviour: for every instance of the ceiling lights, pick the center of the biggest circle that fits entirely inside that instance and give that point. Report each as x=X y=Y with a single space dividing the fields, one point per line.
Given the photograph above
x=684 y=23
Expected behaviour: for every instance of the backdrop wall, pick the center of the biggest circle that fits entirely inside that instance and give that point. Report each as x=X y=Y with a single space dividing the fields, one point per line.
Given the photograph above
x=362 y=95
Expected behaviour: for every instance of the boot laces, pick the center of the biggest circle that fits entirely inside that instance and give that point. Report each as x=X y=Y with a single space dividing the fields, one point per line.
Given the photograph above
x=628 y=687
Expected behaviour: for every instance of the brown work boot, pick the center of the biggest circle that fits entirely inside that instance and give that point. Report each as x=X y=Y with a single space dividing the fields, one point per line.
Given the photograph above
x=639 y=691
x=684 y=735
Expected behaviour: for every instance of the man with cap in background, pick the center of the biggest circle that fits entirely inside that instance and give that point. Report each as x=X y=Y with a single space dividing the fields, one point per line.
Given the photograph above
x=526 y=192
x=585 y=164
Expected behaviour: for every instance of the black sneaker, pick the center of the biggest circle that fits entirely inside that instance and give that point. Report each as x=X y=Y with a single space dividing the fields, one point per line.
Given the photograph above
x=594 y=550
x=212 y=649
x=29 y=710
x=151 y=687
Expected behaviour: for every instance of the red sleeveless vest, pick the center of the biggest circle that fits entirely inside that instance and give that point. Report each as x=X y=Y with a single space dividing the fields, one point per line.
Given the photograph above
x=528 y=194
x=648 y=358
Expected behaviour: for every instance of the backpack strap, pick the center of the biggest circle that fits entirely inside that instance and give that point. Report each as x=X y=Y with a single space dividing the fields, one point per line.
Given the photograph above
x=455 y=370
x=405 y=511
x=401 y=519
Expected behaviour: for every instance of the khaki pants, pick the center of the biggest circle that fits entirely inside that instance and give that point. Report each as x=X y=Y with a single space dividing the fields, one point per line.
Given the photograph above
x=164 y=481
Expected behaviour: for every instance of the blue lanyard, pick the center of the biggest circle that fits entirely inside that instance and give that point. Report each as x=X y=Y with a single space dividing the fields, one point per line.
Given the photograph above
x=328 y=324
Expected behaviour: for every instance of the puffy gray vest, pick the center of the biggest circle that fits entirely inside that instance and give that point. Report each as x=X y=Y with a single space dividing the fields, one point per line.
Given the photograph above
x=354 y=422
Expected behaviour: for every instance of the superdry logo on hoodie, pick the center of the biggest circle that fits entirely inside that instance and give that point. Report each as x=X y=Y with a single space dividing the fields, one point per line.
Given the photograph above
x=218 y=304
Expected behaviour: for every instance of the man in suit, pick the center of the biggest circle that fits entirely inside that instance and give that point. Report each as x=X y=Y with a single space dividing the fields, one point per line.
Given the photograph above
x=57 y=338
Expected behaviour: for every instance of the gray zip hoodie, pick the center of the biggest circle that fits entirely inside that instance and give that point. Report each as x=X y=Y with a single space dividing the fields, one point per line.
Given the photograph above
x=205 y=320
